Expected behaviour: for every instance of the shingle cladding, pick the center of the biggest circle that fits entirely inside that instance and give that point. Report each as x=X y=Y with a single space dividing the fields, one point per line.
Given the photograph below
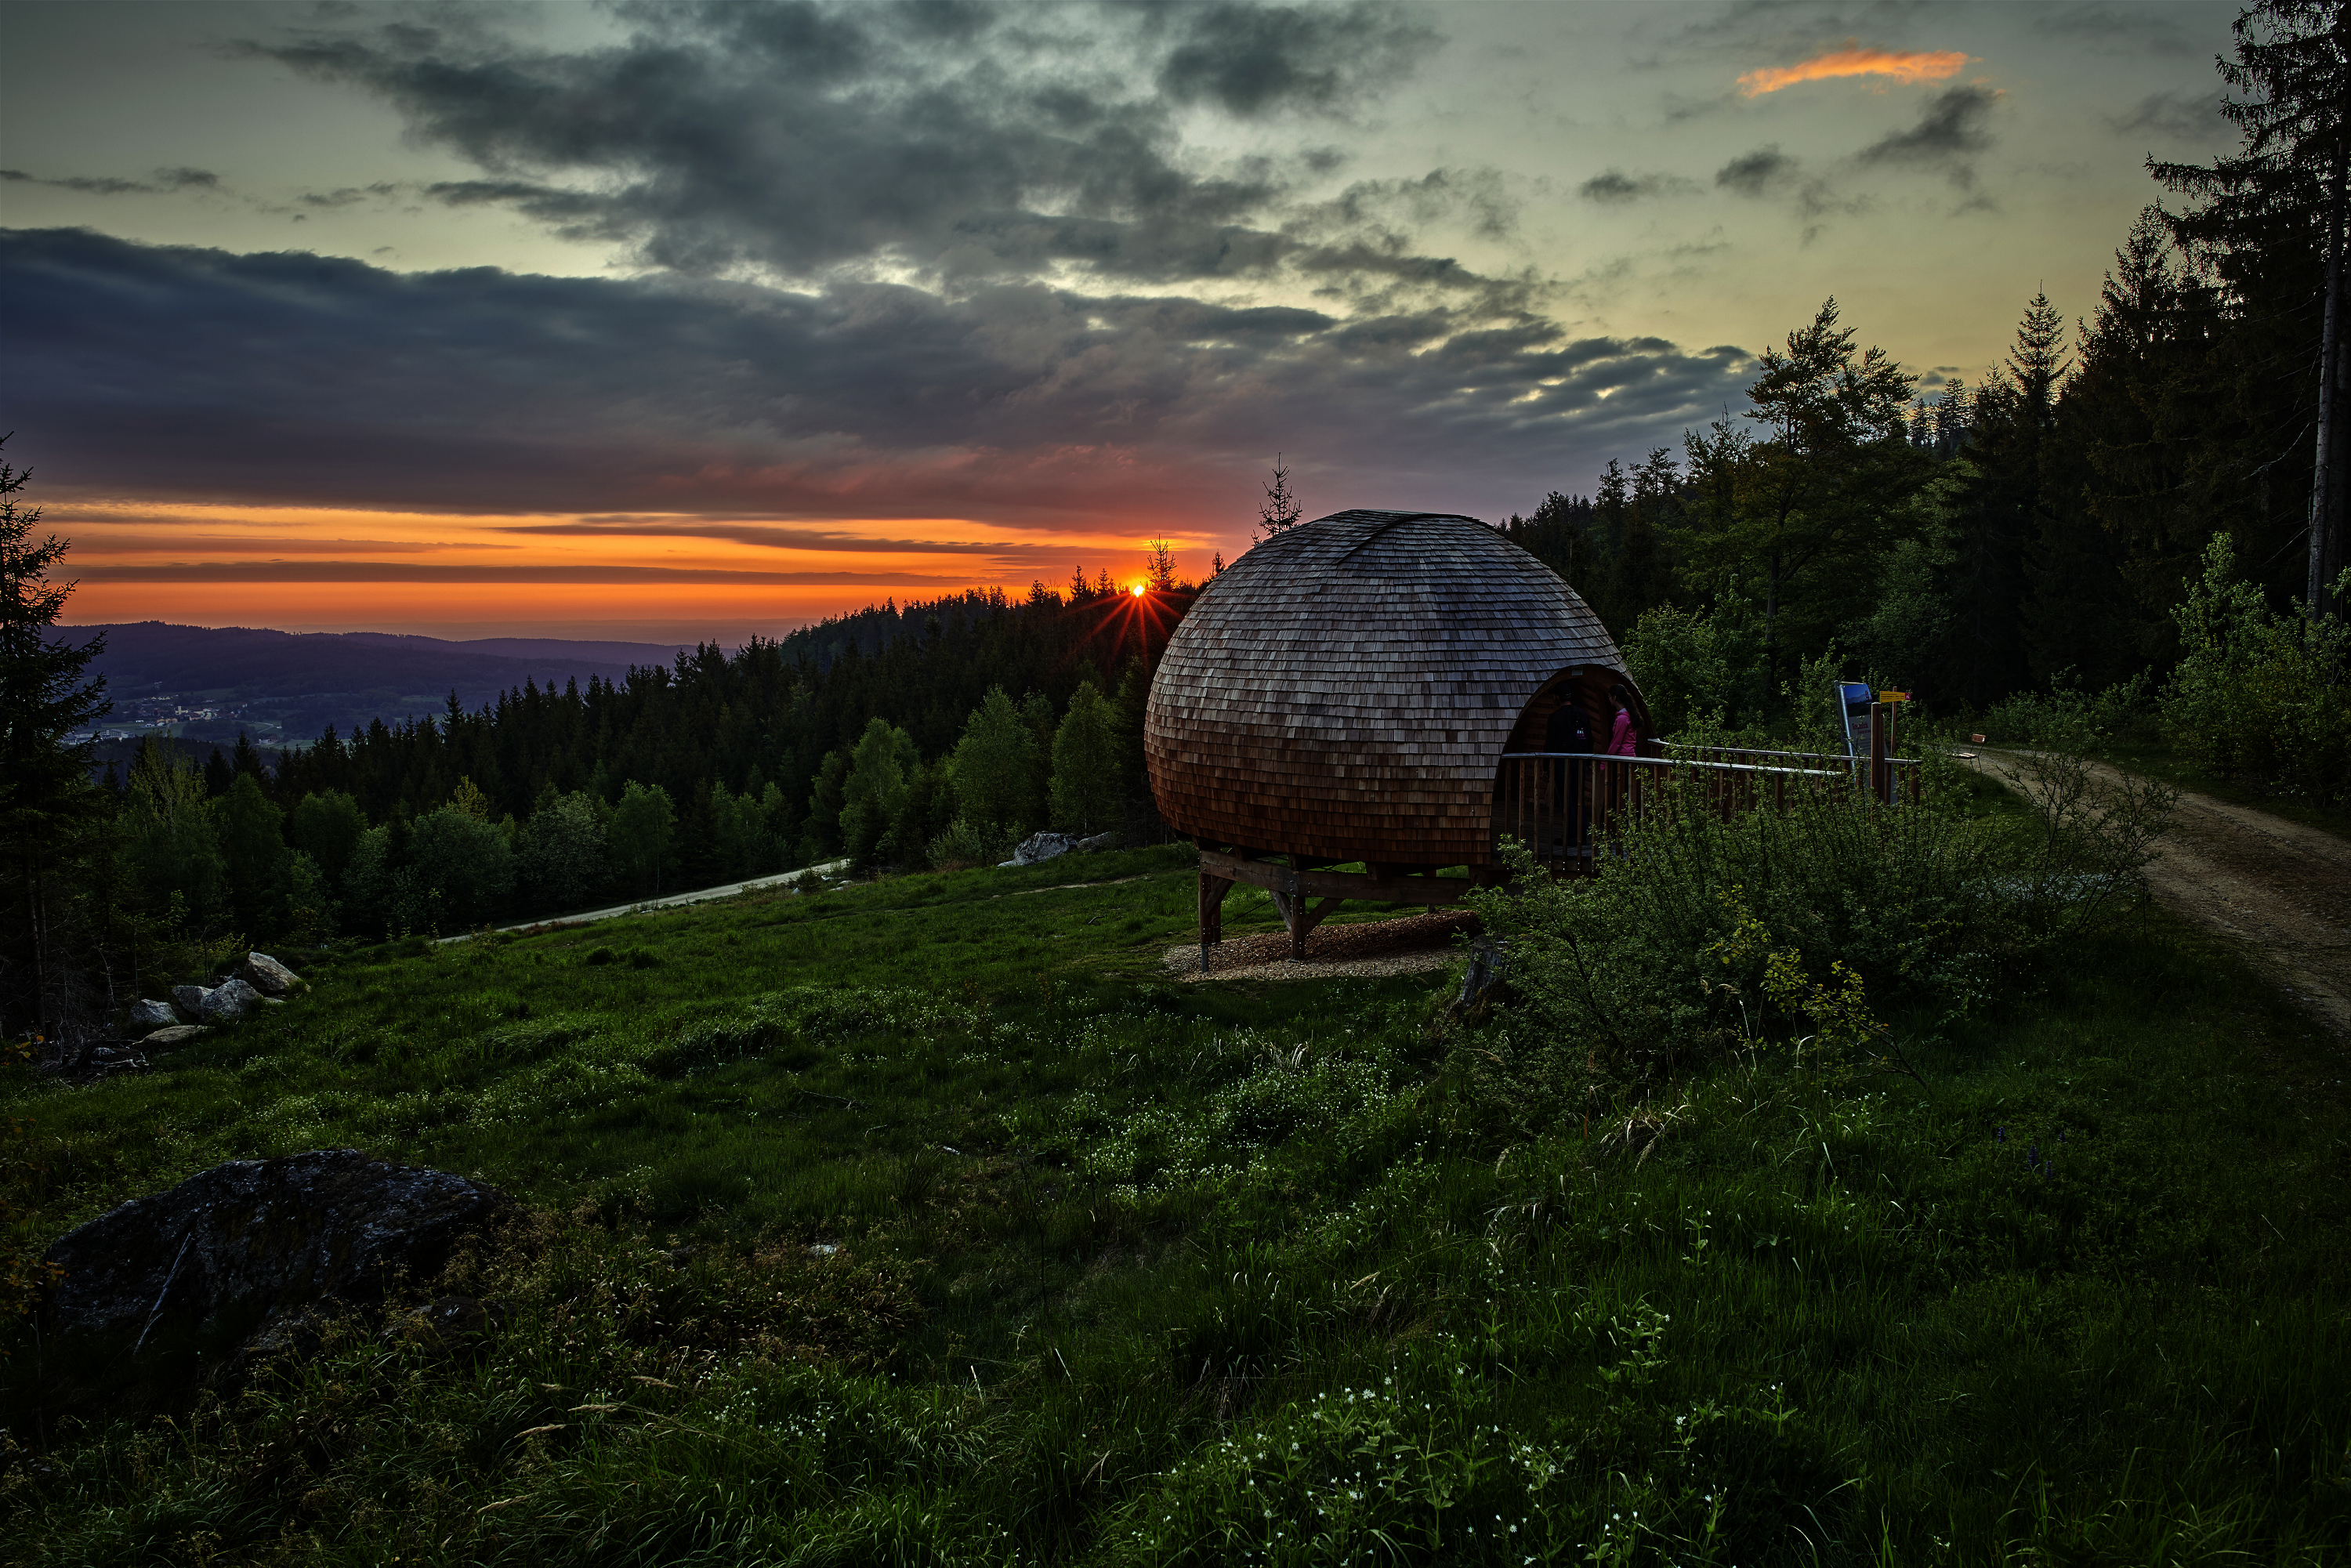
x=1343 y=689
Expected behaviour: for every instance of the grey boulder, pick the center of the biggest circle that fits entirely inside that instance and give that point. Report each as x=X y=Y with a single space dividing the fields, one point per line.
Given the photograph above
x=190 y=1001
x=1039 y=847
x=152 y=1015
x=264 y=1241
x=229 y=1001
x=178 y=1034
x=267 y=976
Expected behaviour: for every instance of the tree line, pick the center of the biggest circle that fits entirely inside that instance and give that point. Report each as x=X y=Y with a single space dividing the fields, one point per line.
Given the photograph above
x=1971 y=543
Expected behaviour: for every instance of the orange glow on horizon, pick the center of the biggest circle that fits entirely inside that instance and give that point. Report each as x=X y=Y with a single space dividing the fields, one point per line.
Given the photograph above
x=1853 y=60
x=210 y=564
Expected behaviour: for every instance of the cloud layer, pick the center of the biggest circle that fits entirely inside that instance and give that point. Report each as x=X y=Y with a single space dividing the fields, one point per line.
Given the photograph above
x=293 y=379
x=961 y=142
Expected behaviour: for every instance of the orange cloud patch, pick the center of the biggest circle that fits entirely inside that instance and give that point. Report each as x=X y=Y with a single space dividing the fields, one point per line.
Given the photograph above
x=1856 y=61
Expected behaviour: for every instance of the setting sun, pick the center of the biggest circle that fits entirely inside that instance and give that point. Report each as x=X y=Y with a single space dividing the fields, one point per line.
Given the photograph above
x=1138 y=590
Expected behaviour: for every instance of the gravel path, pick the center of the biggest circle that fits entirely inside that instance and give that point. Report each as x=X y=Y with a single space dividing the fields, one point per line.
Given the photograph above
x=674 y=901
x=2280 y=889
x=1400 y=946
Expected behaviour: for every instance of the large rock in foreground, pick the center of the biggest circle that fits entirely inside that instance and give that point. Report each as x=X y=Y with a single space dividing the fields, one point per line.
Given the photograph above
x=267 y=976
x=263 y=1238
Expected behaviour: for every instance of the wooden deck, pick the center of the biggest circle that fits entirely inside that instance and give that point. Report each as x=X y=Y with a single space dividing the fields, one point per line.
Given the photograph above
x=1566 y=807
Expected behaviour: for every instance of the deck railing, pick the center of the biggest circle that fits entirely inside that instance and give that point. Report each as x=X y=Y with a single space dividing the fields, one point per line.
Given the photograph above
x=1564 y=805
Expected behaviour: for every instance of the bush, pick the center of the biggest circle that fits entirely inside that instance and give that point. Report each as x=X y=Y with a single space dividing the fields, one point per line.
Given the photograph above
x=968 y=843
x=2261 y=695
x=2068 y=718
x=1702 y=931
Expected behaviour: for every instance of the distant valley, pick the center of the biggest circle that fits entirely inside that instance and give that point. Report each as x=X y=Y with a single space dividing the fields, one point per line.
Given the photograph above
x=207 y=684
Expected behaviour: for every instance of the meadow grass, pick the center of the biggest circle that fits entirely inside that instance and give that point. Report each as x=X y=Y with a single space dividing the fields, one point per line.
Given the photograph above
x=926 y=1222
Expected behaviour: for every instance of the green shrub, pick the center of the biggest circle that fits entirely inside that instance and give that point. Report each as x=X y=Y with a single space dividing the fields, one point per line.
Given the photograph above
x=1703 y=931
x=967 y=843
x=2259 y=695
x=2068 y=717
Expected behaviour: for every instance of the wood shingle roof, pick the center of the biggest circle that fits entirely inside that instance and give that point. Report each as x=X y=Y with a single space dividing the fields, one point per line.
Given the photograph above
x=1343 y=690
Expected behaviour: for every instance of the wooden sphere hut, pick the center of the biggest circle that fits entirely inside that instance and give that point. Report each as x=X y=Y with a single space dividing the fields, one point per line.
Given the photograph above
x=1345 y=692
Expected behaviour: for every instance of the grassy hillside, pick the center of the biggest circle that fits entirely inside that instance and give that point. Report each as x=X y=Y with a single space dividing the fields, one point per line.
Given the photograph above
x=926 y=1222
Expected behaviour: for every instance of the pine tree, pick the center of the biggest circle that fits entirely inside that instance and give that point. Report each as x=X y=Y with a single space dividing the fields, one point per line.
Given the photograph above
x=1803 y=512
x=50 y=812
x=2000 y=607
x=2144 y=413
x=2275 y=217
x=1280 y=512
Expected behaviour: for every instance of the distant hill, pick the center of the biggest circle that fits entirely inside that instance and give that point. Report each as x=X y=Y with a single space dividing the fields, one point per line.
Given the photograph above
x=558 y=649
x=282 y=688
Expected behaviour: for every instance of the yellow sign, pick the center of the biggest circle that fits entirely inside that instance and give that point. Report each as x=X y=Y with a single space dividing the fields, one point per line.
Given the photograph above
x=1893 y=696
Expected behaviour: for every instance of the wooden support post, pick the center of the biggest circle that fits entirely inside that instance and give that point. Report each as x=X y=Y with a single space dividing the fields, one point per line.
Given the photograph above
x=1304 y=920
x=1213 y=889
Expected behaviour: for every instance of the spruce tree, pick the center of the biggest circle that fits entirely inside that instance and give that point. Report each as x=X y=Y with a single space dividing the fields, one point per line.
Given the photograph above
x=1280 y=512
x=2274 y=215
x=50 y=811
x=2001 y=522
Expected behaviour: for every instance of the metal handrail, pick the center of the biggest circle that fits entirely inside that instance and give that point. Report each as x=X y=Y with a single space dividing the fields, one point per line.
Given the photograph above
x=1675 y=762
x=1755 y=751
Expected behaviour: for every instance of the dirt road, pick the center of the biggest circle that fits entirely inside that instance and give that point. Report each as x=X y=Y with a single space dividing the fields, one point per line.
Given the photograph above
x=2280 y=889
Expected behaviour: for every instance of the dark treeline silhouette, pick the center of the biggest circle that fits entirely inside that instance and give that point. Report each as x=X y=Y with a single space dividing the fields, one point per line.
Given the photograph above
x=2038 y=527
x=766 y=712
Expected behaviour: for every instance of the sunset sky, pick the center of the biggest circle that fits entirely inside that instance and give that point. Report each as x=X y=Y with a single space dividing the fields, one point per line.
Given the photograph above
x=665 y=320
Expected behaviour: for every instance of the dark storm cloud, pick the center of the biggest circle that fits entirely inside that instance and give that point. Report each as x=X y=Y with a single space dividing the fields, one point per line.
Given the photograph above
x=2175 y=115
x=1615 y=186
x=1952 y=129
x=1252 y=59
x=771 y=536
x=295 y=379
x=1758 y=173
x=968 y=143
x=162 y=180
x=351 y=195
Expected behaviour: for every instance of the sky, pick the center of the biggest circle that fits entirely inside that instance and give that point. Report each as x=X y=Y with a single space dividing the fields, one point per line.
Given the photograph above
x=678 y=320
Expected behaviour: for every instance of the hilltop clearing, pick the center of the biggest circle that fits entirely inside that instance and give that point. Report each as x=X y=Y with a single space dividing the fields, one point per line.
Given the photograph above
x=926 y=1221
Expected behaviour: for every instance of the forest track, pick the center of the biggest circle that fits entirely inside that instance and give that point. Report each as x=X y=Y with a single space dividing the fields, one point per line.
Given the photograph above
x=2281 y=890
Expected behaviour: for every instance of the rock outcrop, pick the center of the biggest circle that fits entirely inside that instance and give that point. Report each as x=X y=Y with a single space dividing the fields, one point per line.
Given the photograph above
x=228 y=1001
x=147 y=1015
x=1039 y=847
x=177 y=1034
x=262 y=1239
x=267 y=976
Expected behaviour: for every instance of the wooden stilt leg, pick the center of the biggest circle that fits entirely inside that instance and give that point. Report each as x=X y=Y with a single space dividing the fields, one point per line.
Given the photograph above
x=1213 y=889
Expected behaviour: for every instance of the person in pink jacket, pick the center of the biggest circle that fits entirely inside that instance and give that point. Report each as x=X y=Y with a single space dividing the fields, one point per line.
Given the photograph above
x=1624 y=740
